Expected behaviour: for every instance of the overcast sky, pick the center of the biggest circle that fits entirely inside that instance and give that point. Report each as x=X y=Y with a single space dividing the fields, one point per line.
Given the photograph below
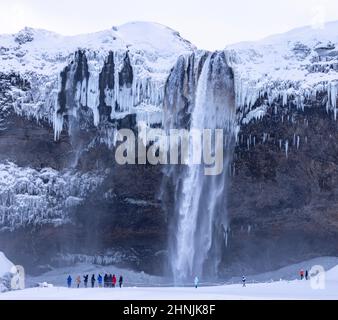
x=210 y=24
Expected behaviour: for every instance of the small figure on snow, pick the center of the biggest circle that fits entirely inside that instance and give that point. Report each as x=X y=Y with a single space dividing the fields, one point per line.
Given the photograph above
x=196 y=282
x=114 y=280
x=85 y=280
x=306 y=275
x=243 y=281
x=99 y=280
x=93 y=280
x=105 y=281
x=110 y=281
x=69 y=281
x=78 y=281
x=120 y=281
x=301 y=274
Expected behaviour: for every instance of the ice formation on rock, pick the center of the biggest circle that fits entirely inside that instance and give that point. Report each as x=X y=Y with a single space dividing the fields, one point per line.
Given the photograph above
x=65 y=73
x=28 y=196
x=291 y=68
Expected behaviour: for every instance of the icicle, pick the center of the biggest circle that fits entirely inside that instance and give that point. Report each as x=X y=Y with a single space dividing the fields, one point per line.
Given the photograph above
x=298 y=141
x=332 y=93
x=58 y=125
x=93 y=96
x=286 y=148
x=285 y=98
x=280 y=143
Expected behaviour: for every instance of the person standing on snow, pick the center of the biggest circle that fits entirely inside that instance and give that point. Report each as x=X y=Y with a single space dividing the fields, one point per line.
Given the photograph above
x=196 y=282
x=114 y=280
x=93 y=280
x=85 y=280
x=110 y=281
x=78 y=281
x=120 y=281
x=243 y=281
x=301 y=274
x=69 y=281
x=306 y=275
x=99 y=280
x=105 y=281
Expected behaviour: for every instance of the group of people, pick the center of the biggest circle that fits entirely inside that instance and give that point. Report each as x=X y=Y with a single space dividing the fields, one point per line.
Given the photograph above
x=303 y=275
x=108 y=281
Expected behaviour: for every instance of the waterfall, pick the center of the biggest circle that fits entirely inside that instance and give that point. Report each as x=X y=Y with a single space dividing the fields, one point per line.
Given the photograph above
x=199 y=229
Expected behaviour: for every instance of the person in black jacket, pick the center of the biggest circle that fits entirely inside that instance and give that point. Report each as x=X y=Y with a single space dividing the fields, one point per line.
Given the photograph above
x=110 y=281
x=105 y=280
x=85 y=280
x=120 y=281
x=93 y=280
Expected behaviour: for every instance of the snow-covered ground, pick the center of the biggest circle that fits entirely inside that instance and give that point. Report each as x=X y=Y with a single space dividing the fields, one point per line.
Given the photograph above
x=140 y=286
x=295 y=289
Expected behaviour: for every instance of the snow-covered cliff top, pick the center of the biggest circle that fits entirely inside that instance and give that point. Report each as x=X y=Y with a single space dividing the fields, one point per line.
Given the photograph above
x=293 y=67
x=46 y=52
x=298 y=63
x=39 y=56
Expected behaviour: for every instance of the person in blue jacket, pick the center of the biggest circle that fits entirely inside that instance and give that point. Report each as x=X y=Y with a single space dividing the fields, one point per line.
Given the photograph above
x=196 y=281
x=69 y=281
x=99 y=280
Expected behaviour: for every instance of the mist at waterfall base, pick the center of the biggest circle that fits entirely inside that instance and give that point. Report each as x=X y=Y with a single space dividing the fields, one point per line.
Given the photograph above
x=198 y=235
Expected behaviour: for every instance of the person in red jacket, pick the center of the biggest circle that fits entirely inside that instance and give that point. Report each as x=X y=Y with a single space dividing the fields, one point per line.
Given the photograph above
x=301 y=273
x=114 y=281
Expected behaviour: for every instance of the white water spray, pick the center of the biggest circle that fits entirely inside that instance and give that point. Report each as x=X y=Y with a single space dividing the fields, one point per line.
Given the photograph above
x=201 y=215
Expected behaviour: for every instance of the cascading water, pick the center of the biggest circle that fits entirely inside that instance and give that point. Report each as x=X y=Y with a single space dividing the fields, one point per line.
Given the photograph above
x=200 y=218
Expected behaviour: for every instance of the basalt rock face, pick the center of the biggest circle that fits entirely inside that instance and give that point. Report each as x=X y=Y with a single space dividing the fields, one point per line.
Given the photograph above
x=283 y=196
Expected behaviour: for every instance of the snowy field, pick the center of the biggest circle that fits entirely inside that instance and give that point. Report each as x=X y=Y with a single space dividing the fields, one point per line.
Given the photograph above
x=264 y=286
x=295 y=289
